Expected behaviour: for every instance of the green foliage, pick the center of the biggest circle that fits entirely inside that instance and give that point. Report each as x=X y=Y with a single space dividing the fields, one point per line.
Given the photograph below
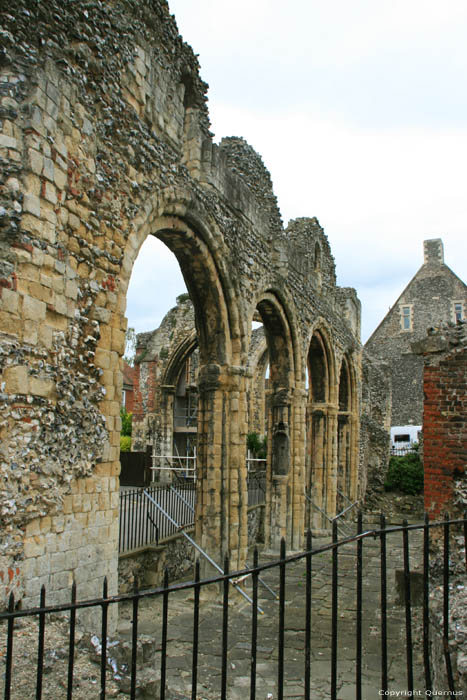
x=126 y=422
x=125 y=443
x=405 y=474
x=257 y=445
x=182 y=298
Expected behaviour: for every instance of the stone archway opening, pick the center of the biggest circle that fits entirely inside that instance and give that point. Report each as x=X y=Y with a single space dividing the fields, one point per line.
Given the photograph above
x=321 y=481
x=193 y=383
x=281 y=520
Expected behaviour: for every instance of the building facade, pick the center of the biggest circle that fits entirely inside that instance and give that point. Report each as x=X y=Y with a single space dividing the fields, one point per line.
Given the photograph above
x=434 y=296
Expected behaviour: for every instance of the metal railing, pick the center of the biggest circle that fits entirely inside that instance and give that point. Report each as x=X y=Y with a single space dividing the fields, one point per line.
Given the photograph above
x=305 y=602
x=140 y=522
x=402 y=451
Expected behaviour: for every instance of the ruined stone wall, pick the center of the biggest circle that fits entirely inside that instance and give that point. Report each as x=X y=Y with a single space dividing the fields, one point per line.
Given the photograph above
x=375 y=424
x=444 y=354
x=105 y=140
x=429 y=298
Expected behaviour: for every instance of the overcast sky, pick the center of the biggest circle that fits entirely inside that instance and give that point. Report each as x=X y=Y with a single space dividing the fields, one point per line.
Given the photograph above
x=359 y=111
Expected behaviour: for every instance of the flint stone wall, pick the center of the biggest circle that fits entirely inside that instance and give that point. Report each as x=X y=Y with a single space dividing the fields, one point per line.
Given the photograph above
x=105 y=140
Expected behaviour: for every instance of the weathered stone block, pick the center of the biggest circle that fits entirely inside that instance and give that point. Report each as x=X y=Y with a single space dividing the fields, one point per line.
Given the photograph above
x=31 y=204
x=42 y=387
x=9 y=301
x=34 y=309
x=16 y=379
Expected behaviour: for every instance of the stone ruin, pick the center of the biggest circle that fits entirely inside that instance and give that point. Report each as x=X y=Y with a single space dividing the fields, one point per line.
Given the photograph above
x=105 y=141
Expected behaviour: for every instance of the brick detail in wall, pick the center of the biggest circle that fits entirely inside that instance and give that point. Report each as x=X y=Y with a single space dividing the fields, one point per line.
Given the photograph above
x=445 y=430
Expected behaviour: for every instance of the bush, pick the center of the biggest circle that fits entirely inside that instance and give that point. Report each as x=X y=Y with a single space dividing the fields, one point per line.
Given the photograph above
x=125 y=443
x=405 y=474
x=126 y=422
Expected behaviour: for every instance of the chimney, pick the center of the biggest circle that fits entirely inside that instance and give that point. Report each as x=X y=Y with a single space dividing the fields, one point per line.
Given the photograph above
x=433 y=251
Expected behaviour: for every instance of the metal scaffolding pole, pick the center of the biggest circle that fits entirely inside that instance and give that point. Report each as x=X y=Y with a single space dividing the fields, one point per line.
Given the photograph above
x=179 y=495
x=199 y=549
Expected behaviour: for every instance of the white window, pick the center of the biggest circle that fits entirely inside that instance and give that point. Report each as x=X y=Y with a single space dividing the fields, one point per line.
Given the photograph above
x=406 y=317
x=458 y=311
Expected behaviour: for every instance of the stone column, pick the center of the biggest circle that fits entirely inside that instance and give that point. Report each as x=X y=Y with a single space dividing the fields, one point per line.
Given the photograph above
x=331 y=460
x=222 y=498
x=164 y=440
x=278 y=517
x=297 y=488
x=317 y=464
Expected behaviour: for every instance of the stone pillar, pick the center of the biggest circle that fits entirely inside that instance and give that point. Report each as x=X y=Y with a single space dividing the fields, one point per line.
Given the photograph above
x=164 y=444
x=222 y=497
x=278 y=516
x=331 y=460
x=354 y=443
x=296 y=527
x=317 y=433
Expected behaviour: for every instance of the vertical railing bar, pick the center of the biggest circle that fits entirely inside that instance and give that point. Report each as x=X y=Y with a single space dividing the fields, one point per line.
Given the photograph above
x=120 y=523
x=308 y=564
x=136 y=519
x=194 y=663
x=105 y=606
x=71 y=643
x=122 y=520
x=9 y=647
x=147 y=521
x=426 y=603
x=334 y=613
x=358 y=665
x=280 y=663
x=141 y=522
x=408 y=612
x=125 y=534
x=254 y=627
x=131 y=524
x=134 y=640
x=447 y=655
x=40 y=646
x=384 y=606
x=225 y=620
x=165 y=610
x=128 y=519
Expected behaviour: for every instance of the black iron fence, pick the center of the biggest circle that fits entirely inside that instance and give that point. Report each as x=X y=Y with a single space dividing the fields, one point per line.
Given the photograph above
x=288 y=648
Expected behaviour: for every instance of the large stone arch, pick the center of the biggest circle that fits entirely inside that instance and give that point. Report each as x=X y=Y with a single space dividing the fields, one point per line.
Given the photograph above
x=222 y=498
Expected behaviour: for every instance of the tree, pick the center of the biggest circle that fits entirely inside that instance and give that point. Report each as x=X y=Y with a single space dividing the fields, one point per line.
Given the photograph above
x=126 y=422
